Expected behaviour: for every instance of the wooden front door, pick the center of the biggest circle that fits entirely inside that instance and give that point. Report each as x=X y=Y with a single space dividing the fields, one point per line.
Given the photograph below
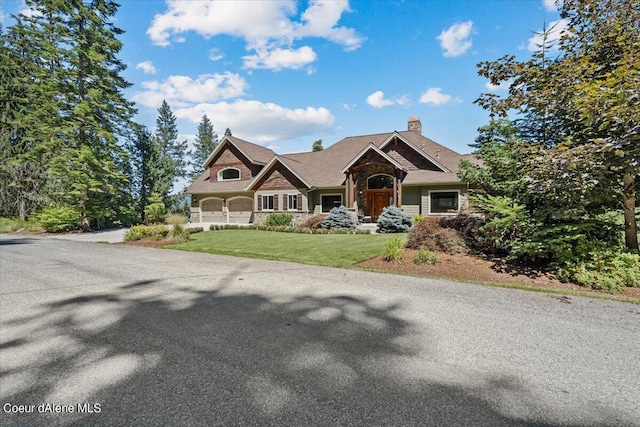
x=378 y=200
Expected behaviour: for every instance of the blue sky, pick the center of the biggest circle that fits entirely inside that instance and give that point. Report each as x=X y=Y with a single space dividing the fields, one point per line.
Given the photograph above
x=285 y=73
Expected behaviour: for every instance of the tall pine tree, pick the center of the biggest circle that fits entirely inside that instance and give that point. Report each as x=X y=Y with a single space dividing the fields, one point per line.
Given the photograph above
x=167 y=135
x=76 y=81
x=206 y=141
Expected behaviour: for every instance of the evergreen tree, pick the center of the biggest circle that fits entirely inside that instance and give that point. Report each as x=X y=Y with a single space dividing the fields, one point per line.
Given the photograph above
x=76 y=112
x=174 y=151
x=206 y=142
x=317 y=145
x=147 y=173
x=582 y=112
x=227 y=132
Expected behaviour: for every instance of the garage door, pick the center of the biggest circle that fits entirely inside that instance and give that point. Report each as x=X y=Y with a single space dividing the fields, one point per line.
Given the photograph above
x=240 y=210
x=212 y=210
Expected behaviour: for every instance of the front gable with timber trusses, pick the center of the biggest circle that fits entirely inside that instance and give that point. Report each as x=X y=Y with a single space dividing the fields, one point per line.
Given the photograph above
x=277 y=176
x=228 y=156
x=409 y=156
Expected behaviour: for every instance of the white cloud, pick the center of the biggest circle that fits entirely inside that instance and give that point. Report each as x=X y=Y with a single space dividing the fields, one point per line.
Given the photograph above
x=180 y=91
x=556 y=29
x=496 y=88
x=456 y=40
x=278 y=59
x=434 y=96
x=550 y=5
x=146 y=67
x=215 y=54
x=261 y=122
x=377 y=100
x=268 y=27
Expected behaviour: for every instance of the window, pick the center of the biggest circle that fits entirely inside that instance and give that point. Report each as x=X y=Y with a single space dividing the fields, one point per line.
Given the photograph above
x=330 y=201
x=267 y=203
x=229 y=174
x=292 y=202
x=379 y=181
x=444 y=202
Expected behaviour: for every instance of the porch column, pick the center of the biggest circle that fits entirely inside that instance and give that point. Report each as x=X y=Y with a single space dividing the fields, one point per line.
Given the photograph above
x=395 y=188
x=399 y=189
x=350 y=191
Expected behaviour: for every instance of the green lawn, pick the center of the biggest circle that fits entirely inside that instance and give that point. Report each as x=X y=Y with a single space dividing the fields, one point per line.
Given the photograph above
x=333 y=250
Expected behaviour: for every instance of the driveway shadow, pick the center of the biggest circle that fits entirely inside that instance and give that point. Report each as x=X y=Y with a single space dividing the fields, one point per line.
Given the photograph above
x=194 y=357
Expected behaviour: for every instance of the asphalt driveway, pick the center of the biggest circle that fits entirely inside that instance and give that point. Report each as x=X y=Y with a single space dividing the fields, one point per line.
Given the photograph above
x=121 y=335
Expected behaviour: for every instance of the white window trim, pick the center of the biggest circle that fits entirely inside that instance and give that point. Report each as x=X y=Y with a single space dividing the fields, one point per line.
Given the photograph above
x=295 y=197
x=273 y=204
x=331 y=194
x=231 y=179
x=444 y=213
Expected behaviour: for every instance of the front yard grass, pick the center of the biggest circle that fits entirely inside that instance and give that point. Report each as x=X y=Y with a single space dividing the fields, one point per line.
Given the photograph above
x=332 y=250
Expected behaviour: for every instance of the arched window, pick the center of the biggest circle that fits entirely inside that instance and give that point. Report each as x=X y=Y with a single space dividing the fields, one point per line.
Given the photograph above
x=377 y=182
x=229 y=174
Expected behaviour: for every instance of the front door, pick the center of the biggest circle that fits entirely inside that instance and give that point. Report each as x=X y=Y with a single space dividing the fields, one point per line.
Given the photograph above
x=378 y=200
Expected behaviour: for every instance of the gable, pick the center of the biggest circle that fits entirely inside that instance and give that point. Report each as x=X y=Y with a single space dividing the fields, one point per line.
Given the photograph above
x=408 y=157
x=278 y=177
x=230 y=157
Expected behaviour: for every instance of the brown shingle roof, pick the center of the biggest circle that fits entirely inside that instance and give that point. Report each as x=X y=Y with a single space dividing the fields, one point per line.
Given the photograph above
x=256 y=153
x=323 y=168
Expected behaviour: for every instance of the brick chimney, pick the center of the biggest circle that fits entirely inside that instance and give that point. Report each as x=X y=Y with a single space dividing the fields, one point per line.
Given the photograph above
x=414 y=124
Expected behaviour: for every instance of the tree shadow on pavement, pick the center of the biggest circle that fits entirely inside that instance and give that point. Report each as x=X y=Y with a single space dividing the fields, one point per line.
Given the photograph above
x=153 y=355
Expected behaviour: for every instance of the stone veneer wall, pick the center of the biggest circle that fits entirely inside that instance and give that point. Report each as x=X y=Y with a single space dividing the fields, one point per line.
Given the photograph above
x=298 y=217
x=361 y=179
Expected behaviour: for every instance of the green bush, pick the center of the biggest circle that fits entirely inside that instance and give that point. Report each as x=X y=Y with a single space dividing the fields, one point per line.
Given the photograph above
x=393 y=250
x=339 y=217
x=194 y=230
x=393 y=220
x=138 y=232
x=9 y=225
x=607 y=270
x=154 y=212
x=430 y=234
x=276 y=219
x=58 y=219
x=417 y=219
x=425 y=256
x=507 y=223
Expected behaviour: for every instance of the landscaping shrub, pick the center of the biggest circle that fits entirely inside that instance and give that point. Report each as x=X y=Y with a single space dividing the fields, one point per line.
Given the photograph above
x=278 y=219
x=339 y=217
x=58 y=219
x=174 y=219
x=507 y=223
x=393 y=250
x=194 y=230
x=607 y=270
x=177 y=233
x=313 y=222
x=469 y=228
x=154 y=212
x=417 y=219
x=425 y=256
x=393 y=220
x=429 y=234
x=8 y=225
x=138 y=232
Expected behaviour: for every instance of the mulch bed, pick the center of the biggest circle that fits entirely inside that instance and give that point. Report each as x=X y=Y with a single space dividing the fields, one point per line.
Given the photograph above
x=466 y=267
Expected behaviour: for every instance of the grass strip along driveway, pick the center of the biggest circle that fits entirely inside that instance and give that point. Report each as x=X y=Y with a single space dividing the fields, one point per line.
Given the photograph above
x=332 y=250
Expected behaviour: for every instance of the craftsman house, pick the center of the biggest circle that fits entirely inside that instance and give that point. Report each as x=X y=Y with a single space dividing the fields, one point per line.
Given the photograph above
x=244 y=182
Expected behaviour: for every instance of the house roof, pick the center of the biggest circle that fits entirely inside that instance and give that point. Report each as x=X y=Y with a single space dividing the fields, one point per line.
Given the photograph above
x=266 y=169
x=325 y=168
x=372 y=147
x=254 y=153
